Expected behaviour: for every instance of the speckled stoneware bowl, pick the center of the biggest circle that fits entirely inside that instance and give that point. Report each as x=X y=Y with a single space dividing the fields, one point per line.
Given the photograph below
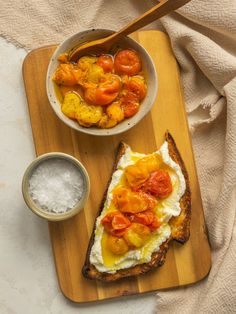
x=48 y=214
x=126 y=42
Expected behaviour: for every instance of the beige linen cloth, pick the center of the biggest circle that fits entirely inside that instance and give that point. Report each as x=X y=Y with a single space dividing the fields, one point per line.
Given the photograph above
x=203 y=37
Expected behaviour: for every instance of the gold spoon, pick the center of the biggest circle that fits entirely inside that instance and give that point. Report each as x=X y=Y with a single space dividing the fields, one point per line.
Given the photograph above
x=104 y=44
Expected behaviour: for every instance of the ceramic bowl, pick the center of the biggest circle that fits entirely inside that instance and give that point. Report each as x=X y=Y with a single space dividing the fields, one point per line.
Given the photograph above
x=35 y=206
x=125 y=42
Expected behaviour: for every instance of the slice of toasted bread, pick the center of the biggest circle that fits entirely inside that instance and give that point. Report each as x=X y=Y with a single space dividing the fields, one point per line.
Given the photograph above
x=180 y=226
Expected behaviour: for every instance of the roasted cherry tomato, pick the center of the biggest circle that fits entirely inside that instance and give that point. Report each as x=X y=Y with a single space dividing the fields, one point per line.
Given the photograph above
x=147 y=218
x=137 y=86
x=127 y=62
x=128 y=201
x=130 y=109
x=106 y=91
x=65 y=75
x=136 y=176
x=155 y=224
x=136 y=235
x=63 y=57
x=144 y=218
x=130 y=104
x=159 y=184
x=150 y=163
x=115 y=223
x=106 y=62
x=115 y=112
x=149 y=199
x=116 y=245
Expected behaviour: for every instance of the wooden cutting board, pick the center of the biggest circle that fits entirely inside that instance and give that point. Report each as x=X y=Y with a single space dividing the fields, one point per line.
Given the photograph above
x=185 y=264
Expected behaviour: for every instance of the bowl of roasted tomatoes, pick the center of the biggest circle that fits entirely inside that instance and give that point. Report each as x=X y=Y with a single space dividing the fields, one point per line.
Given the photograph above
x=103 y=93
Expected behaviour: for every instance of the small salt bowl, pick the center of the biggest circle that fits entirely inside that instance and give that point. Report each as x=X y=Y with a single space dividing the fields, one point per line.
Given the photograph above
x=55 y=186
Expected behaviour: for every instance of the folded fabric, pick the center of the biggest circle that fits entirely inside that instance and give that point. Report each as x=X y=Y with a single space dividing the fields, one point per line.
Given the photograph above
x=203 y=37
x=31 y=24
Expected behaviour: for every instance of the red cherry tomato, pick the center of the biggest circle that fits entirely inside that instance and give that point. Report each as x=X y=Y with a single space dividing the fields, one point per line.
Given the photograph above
x=159 y=184
x=130 y=109
x=115 y=223
x=149 y=199
x=130 y=104
x=127 y=62
x=106 y=62
x=147 y=218
x=155 y=224
x=137 y=86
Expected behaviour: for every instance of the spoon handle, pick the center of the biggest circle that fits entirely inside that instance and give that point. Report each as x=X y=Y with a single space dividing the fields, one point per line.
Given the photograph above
x=156 y=12
x=162 y=8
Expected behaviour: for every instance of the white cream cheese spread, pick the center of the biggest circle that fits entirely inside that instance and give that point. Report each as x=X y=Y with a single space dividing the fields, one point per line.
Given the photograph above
x=165 y=209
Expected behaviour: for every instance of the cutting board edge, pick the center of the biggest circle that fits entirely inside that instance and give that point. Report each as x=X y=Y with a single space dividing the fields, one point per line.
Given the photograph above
x=133 y=294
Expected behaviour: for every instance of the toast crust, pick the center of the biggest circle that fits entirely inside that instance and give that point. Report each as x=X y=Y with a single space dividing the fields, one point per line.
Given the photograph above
x=180 y=226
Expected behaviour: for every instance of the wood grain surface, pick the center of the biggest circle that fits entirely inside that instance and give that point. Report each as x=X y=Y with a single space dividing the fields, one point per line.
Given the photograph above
x=185 y=264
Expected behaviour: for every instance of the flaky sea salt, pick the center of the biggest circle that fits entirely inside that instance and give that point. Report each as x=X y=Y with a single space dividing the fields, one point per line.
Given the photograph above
x=56 y=185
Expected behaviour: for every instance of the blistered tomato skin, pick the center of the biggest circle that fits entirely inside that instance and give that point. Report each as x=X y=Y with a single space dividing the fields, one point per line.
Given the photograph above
x=105 y=93
x=65 y=75
x=130 y=104
x=128 y=201
x=137 y=86
x=127 y=62
x=117 y=245
x=135 y=176
x=115 y=223
x=159 y=184
x=130 y=109
x=106 y=62
x=147 y=218
x=136 y=235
